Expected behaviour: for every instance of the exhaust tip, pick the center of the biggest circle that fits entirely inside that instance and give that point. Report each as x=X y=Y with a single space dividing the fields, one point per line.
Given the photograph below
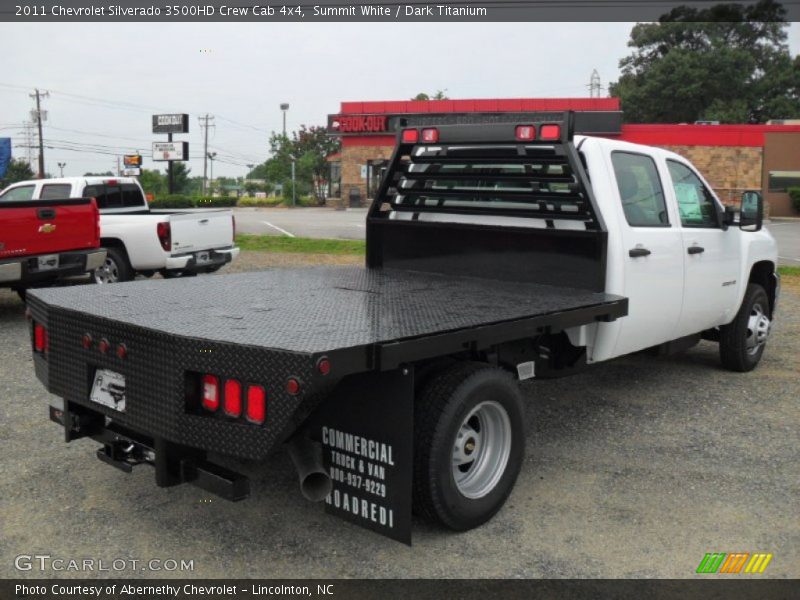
x=316 y=486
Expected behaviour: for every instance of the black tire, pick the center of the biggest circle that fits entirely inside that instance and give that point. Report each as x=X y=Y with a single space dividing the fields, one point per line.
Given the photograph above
x=116 y=267
x=734 y=351
x=440 y=410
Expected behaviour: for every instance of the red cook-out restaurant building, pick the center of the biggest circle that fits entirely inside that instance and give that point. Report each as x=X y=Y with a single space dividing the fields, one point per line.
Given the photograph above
x=732 y=157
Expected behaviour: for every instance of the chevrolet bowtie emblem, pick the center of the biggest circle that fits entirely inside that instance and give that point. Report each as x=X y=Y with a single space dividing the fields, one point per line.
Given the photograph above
x=47 y=228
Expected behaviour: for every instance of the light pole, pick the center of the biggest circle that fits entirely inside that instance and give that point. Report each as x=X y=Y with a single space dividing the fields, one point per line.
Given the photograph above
x=294 y=182
x=61 y=166
x=285 y=109
x=211 y=157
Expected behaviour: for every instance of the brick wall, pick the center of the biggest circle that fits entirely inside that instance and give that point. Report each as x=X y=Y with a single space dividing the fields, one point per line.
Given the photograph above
x=353 y=158
x=729 y=169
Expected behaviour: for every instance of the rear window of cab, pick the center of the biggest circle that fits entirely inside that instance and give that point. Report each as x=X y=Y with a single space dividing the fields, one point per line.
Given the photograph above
x=125 y=195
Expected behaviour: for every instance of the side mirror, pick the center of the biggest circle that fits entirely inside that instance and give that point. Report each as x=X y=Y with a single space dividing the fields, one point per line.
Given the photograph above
x=751 y=212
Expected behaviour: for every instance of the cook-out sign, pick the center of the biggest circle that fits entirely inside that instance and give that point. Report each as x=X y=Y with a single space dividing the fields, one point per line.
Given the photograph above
x=363 y=124
x=172 y=123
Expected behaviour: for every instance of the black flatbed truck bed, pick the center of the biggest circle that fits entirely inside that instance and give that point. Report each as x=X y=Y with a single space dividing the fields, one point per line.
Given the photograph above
x=334 y=350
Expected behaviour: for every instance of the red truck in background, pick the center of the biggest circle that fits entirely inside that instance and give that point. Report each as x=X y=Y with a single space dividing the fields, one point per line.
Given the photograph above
x=44 y=240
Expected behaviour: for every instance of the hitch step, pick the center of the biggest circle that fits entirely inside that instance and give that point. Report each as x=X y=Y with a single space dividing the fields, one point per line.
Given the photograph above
x=173 y=466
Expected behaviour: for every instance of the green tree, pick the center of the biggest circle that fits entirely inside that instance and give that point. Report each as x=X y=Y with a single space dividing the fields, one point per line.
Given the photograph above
x=153 y=182
x=18 y=170
x=309 y=148
x=439 y=95
x=106 y=174
x=728 y=62
x=181 y=182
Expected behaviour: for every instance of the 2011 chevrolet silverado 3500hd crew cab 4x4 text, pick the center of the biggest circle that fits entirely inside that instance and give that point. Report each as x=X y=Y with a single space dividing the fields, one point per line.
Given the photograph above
x=42 y=241
x=495 y=253
x=138 y=239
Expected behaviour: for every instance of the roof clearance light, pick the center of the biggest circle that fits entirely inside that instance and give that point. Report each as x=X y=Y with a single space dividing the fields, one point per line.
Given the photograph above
x=233 y=398
x=550 y=132
x=525 y=133
x=410 y=136
x=256 y=404
x=430 y=136
x=210 y=392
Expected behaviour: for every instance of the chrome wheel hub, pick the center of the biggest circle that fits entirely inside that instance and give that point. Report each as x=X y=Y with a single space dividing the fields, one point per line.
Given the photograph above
x=758 y=328
x=108 y=273
x=481 y=449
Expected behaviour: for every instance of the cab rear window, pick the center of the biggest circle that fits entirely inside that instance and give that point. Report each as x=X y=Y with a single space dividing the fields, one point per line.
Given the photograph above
x=55 y=191
x=126 y=195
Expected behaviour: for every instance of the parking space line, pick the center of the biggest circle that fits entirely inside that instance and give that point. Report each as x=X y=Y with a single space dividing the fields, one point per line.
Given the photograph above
x=283 y=231
x=789 y=258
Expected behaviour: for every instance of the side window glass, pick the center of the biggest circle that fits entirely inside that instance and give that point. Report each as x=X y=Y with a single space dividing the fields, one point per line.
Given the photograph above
x=106 y=196
x=132 y=196
x=695 y=202
x=55 y=191
x=640 y=190
x=24 y=192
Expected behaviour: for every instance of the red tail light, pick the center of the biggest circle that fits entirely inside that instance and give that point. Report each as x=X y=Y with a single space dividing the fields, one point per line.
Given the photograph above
x=232 y=404
x=122 y=351
x=550 y=132
x=430 y=136
x=256 y=404
x=86 y=341
x=293 y=386
x=525 y=133
x=40 y=341
x=410 y=136
x=210 y=392
x=324 y=366
x=104 y=346
x=164 y=232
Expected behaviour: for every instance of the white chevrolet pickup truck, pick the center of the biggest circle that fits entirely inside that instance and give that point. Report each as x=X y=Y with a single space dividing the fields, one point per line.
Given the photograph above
x=496 y=253
x=136 y=238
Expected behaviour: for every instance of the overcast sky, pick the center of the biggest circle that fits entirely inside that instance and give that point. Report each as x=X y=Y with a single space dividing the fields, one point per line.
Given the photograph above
x=107 y=79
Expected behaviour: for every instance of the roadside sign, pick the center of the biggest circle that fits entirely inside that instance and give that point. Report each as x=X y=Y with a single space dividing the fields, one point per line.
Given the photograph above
x=172 y=123
x=132 y=160
x=166 y=151
x=131 y=172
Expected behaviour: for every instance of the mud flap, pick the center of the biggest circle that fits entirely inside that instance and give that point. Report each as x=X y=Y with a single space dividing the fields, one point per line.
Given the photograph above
x=366 y=431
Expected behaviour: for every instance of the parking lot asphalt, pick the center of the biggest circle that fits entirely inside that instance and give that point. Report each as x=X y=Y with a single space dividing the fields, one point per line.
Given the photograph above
x=349 y=224
x=635 y=468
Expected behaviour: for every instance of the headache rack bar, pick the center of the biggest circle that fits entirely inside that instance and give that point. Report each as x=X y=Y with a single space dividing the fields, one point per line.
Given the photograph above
x=488 y=170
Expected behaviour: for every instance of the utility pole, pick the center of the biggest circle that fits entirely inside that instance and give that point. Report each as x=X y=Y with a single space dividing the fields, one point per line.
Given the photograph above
x=205 y=123
x=61 y=166
x=38 y=115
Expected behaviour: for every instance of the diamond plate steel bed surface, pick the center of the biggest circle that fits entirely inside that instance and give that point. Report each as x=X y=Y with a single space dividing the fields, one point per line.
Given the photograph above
x=317 y=310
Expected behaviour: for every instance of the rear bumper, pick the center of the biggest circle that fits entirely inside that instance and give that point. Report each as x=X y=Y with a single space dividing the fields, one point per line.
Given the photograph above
x=190 y=263
x=20 y=272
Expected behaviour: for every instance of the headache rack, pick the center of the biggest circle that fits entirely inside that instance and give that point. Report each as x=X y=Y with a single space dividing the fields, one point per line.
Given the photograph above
x=497 y=194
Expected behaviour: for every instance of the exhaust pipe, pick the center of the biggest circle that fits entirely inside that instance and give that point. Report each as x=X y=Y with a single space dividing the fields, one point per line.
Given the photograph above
x=315 y=483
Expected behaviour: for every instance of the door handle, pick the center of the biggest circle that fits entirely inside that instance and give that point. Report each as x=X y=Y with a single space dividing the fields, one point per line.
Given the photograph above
x=638 y=252
x=695 y=250
x=46 y=213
